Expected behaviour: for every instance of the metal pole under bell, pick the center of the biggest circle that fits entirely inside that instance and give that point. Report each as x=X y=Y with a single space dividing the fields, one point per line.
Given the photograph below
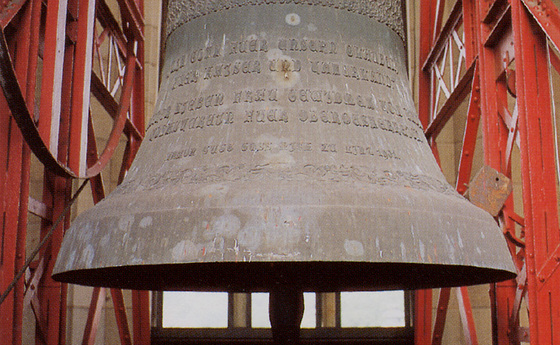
x=286 y=312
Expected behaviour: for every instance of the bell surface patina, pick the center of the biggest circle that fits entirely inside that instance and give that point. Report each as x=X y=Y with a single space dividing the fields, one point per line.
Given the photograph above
x=285 y=149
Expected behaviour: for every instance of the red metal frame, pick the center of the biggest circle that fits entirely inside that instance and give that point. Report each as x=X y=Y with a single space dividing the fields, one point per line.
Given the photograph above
x=61 y=33
x=507 y=45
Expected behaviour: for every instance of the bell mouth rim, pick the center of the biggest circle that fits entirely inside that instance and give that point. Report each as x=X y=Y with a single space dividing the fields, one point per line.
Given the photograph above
x=307 y=276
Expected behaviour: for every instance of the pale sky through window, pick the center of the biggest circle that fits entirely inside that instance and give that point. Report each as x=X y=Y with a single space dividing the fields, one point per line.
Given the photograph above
x=209 y=309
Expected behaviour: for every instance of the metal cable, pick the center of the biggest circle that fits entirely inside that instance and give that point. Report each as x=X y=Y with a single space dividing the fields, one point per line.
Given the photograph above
x=42 y=243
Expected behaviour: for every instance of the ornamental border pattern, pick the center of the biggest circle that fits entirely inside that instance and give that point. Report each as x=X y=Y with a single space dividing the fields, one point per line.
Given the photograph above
x=307 y=172
x=388 y=12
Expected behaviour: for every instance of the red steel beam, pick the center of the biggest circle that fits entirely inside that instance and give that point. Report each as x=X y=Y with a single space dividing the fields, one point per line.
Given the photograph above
x=50 y=293
x=540 y=201
x=112 y=107
x=120 y=315
x=108 y=22
x=493 y=57
x=423 y=309
x=44 y=143
x=141 y=317
x=441 y=314
x=15 y=186
x=8 y=13
x=470 y=136
x=467 y=318
x=81 y=86
x=547 y=16
x=57 y=190
x=470 y=24
x=94 y=315
x=10 y=178
x=424 y=80
x=423 y=298
x=53 y=59
x=132 y=100
x=120 y=121
x=451 y=24
x=59 y=135
x=455 y=99
x=132 y=15
x=28 y=39
x=140 y=299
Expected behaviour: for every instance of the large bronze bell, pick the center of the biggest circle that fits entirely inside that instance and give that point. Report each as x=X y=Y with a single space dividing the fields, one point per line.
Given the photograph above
x=285 y=151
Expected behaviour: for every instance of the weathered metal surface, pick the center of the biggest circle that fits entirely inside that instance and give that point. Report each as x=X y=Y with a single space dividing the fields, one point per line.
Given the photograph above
x=489 y=190
x=284 y=149
x=388 y=12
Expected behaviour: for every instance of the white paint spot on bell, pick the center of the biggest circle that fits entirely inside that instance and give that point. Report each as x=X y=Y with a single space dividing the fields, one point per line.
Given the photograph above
x=104 y=241
x=184 y=250
x=145 y=222
x=354 y=248
x=70 y=263
x=87 y=256
x=125 y=222
x=293 y=19
x=226 y=225
x=422 y=250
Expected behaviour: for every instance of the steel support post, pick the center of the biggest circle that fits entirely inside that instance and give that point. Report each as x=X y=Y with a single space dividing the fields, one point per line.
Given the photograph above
x=15 y=180
x=486 y=32
x=28 y=37
x=423 y=298
x=540 y=201
x=140 y=299
x=10 y=182
x=61 y=135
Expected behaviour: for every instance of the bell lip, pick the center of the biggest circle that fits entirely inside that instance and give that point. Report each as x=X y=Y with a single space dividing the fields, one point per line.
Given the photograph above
x=307 y=276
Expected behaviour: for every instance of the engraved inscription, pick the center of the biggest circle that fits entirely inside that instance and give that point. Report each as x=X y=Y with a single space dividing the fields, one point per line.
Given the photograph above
x=227 y=69
x=217 y=148
x=359 y=120
x=277 y=102
x=266 y=116
x=304 y=45
x=247 y=46
x=329 y=148
x=352 y=72
x=255 y=147
x=185 y=78
x=198 y=103
x=266 y=102
x=360 y=150
x=375 y=56
x=296 y=146
x=331 y=97
x=211 y=51
x=195 y=122
x=188 y=152
x=198 y=55
x=259 y=95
